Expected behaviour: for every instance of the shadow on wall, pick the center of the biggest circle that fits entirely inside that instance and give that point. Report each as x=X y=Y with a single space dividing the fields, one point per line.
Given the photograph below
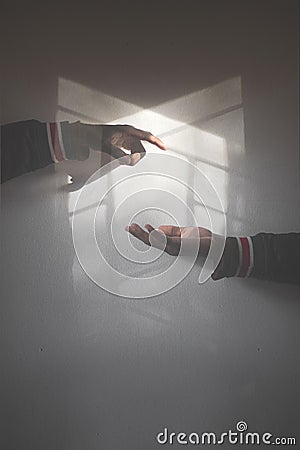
x=183 y=124
x=205 y=128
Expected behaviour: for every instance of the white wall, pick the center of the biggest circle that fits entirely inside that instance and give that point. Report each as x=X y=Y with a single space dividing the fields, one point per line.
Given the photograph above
x=84 y=369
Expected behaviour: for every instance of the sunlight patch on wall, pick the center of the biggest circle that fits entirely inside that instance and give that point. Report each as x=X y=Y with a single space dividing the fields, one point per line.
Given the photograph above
x=200 y=127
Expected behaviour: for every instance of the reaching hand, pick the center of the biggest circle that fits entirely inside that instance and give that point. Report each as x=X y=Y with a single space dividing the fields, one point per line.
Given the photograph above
x=170 y=238
x=114 y=139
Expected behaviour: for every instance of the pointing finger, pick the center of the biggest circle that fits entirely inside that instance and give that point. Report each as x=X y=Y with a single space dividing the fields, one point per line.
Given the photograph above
x=146 y=136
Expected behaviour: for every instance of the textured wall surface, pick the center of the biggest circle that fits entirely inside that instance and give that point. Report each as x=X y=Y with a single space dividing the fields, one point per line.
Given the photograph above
x=84 y=369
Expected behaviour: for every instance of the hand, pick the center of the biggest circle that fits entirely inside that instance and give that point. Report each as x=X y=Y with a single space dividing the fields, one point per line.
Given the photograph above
x=173 y=237
x=114 y=139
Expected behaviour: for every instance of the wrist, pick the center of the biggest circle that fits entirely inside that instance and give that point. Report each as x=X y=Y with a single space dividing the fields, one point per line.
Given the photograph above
x=93 y=135
x=229 y=261
x=79 y=141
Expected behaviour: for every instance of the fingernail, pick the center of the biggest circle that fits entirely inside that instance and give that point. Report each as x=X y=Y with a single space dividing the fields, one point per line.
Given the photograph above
x=126 y=228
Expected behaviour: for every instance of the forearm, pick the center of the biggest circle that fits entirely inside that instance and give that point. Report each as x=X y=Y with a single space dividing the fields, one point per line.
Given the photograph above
x=31 y=145
x=265 y=256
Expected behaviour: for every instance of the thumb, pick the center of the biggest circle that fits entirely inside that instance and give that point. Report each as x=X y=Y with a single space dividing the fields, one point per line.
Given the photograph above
x=156 y=238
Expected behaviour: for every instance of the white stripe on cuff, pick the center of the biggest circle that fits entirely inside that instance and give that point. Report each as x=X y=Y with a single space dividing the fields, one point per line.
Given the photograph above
x=240 y=256
x=251 y=257
x=61 y=141
x=50 y=143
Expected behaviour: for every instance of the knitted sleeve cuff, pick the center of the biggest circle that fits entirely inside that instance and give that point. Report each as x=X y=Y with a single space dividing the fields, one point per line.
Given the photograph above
x=67 y=141
x=237 y=259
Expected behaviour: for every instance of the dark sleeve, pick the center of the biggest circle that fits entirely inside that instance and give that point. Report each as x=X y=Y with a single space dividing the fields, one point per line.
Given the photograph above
x=31 y=145
x=24 y=147
x=265 y=256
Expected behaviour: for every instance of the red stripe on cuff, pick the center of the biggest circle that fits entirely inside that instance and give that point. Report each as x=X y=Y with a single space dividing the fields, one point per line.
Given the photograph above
x=55 y=142
x=245 y=257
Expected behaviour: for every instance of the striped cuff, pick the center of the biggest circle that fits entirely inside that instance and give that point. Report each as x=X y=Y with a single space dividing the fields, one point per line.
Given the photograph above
x=67 y=141
x=55 y=141
x=246 y=257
